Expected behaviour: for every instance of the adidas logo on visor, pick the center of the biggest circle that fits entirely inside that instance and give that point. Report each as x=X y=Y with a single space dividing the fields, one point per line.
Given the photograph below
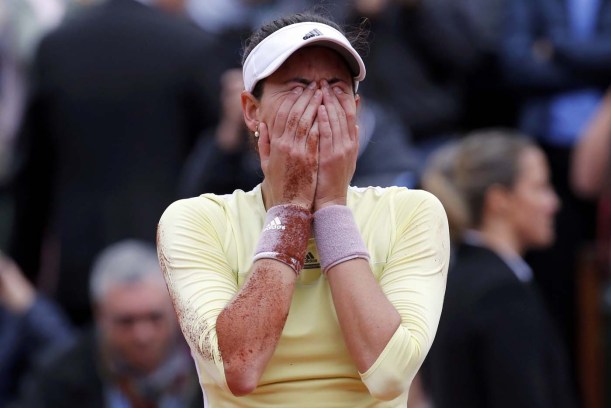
x=314 y=33
x=274 y=224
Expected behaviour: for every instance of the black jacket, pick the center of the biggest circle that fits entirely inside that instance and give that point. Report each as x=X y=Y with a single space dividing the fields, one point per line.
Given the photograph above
x=495 y=346
x=120 y=93
x=75 y=378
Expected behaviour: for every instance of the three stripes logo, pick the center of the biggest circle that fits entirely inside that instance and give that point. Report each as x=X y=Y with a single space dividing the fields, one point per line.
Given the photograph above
x=275 y=224
x=314 y=33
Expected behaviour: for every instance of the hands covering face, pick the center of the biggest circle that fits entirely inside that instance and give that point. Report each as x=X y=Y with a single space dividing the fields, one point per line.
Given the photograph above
x=309 y=152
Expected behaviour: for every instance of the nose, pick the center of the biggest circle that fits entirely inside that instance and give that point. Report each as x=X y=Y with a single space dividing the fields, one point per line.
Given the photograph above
x=143 y=330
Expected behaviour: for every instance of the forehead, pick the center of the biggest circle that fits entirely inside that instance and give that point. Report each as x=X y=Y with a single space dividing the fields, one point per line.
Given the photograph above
x=314 y=63
x=532 y=164
x=138 y=296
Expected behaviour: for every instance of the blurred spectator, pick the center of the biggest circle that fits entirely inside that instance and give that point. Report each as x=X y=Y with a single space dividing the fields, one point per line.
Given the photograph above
x=22 y=24
x=120 y=92
x=230 y=22
x=420 y=53
x=591 y=159
x=591 y=174
x=489 y=100
x=386 y=156
x=591 y=177
x=496 y=345
x=136 y=356
x=225 y=158
x=218 y=16
x=31 y=328
x=557 y=56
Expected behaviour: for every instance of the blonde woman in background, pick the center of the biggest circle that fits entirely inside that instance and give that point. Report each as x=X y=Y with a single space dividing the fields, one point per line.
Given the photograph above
x=496 y=345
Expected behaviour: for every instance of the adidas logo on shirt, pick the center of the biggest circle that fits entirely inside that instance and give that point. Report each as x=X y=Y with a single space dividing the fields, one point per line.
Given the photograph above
x=310 y=261
x=314 y=33
x=274 y=224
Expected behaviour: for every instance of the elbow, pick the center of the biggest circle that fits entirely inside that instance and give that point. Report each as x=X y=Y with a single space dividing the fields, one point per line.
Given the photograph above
x=241 y=388
x=585 y=183
x=241 y=382
x=389 y=385
x=586 y=189
x=391 y=388
x=392 y=374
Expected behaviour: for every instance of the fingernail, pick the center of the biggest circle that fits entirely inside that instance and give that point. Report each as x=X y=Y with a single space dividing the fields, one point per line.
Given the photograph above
x=312 y=85
x=318 y=93
x=298 y=90
x=337 y=90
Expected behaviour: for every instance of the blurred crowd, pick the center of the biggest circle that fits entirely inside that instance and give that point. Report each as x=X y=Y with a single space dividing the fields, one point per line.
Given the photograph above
x=112 y=109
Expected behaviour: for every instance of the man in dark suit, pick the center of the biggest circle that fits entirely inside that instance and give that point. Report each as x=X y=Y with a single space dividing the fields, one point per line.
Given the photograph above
x=120 y=92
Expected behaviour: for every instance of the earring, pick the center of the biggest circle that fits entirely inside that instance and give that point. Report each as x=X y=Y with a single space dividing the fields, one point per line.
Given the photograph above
x=257 y=132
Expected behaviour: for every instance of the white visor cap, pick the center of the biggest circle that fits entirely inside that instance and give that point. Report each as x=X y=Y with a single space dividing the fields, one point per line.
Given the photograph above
x=276 y=48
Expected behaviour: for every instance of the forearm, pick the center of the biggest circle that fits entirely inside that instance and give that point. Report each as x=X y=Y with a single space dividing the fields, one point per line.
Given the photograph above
x=412 y=280
x=593 y=152
x=249 y=327
x=367 y=319
x=46 y=325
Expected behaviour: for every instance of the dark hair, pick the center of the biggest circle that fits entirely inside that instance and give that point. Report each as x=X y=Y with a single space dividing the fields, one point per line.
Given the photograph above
x=357 y=37
x=486 y=158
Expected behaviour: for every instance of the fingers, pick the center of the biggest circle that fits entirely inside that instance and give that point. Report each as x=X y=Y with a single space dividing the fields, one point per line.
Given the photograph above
x=348 y=105
x=335 y=114
x=314 y=138
x=297 y=112
x=307 y=118
x=279 y=124
x=324 y=129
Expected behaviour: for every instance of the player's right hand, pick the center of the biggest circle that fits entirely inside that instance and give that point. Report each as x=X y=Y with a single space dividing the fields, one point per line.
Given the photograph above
x=289 y=148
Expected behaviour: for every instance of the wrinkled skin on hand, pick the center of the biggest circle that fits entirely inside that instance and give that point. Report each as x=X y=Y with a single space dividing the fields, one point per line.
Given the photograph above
x=338 y=146
x=289 y=151
x=306 y=118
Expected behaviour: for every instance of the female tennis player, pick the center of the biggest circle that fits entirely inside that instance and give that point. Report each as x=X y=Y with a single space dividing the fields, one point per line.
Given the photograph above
x=304 y=291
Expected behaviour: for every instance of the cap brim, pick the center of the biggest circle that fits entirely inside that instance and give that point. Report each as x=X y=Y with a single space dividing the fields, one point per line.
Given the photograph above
x=275 y=49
